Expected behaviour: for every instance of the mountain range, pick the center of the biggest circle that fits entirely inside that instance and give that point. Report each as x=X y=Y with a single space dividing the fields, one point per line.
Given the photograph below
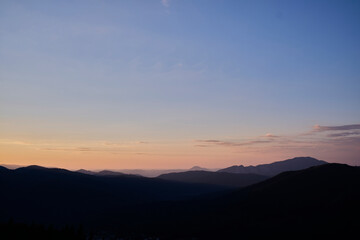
x=320 y=202
x=271 y=169
x=275 y=168
x=56 y=195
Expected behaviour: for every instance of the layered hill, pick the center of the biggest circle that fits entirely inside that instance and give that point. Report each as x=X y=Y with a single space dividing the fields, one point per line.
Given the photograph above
x=319 y=202
x=105 y=173
x=216 y=178
x=60 y=196
x=275 y=168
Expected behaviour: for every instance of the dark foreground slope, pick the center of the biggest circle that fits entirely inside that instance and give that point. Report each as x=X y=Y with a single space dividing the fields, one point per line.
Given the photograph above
x=275 y=168
x=18 y=231
x=321 y=201
x=58 y=196
x=216 y=178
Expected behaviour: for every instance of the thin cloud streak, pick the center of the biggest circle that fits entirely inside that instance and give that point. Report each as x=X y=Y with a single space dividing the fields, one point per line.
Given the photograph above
x=312 y=139
x=77 y=149
x=269 y=135
x=343 y=134
x=229 y=143
x=105 y=146
x=15 y=142
x=318 y=128
x=122 y=144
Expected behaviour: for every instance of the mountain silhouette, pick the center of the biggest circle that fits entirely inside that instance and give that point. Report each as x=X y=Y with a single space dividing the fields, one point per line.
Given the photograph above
x=275 y=168
x=84 y=171
x=60 y=196
x=197 y=168
x=317 y=202
x=217 y=178
x=105 y=173
x=111 y=173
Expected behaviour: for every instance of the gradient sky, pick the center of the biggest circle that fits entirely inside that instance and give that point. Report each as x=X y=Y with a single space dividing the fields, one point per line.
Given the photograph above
x=176 y=83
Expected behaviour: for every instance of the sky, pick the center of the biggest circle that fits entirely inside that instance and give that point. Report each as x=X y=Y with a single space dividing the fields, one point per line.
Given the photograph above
x=175 y=83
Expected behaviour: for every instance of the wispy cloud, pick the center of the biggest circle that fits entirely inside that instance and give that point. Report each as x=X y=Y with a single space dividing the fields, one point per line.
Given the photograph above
x=165 y=3
x=319 y=128
x=65 y=146
x=269 y=135
x=350 y=141
x=123 y=144
x=209 y=141
x=311 y=139
x=205 y=143
x=76 y=149
x=11 y=142
x=344 y=134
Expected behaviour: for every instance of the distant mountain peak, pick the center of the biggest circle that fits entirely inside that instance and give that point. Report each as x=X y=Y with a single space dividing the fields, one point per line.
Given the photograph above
x=36 y=167
x=110 y=173
x=84 y=171
x=272 y=169
x=197 y=168
x=302 y=159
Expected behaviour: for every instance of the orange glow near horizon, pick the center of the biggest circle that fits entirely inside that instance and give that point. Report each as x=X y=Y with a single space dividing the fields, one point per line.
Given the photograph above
x=99 y=156
x=170 y=154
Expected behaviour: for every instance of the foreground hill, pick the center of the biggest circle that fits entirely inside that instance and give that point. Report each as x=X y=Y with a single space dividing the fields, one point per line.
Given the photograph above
x=217 y=178
x=319 y=202
x=275 y=168
x=37 y=194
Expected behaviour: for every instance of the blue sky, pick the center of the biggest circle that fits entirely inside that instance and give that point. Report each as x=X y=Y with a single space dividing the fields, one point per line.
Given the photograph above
x=174 y=72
